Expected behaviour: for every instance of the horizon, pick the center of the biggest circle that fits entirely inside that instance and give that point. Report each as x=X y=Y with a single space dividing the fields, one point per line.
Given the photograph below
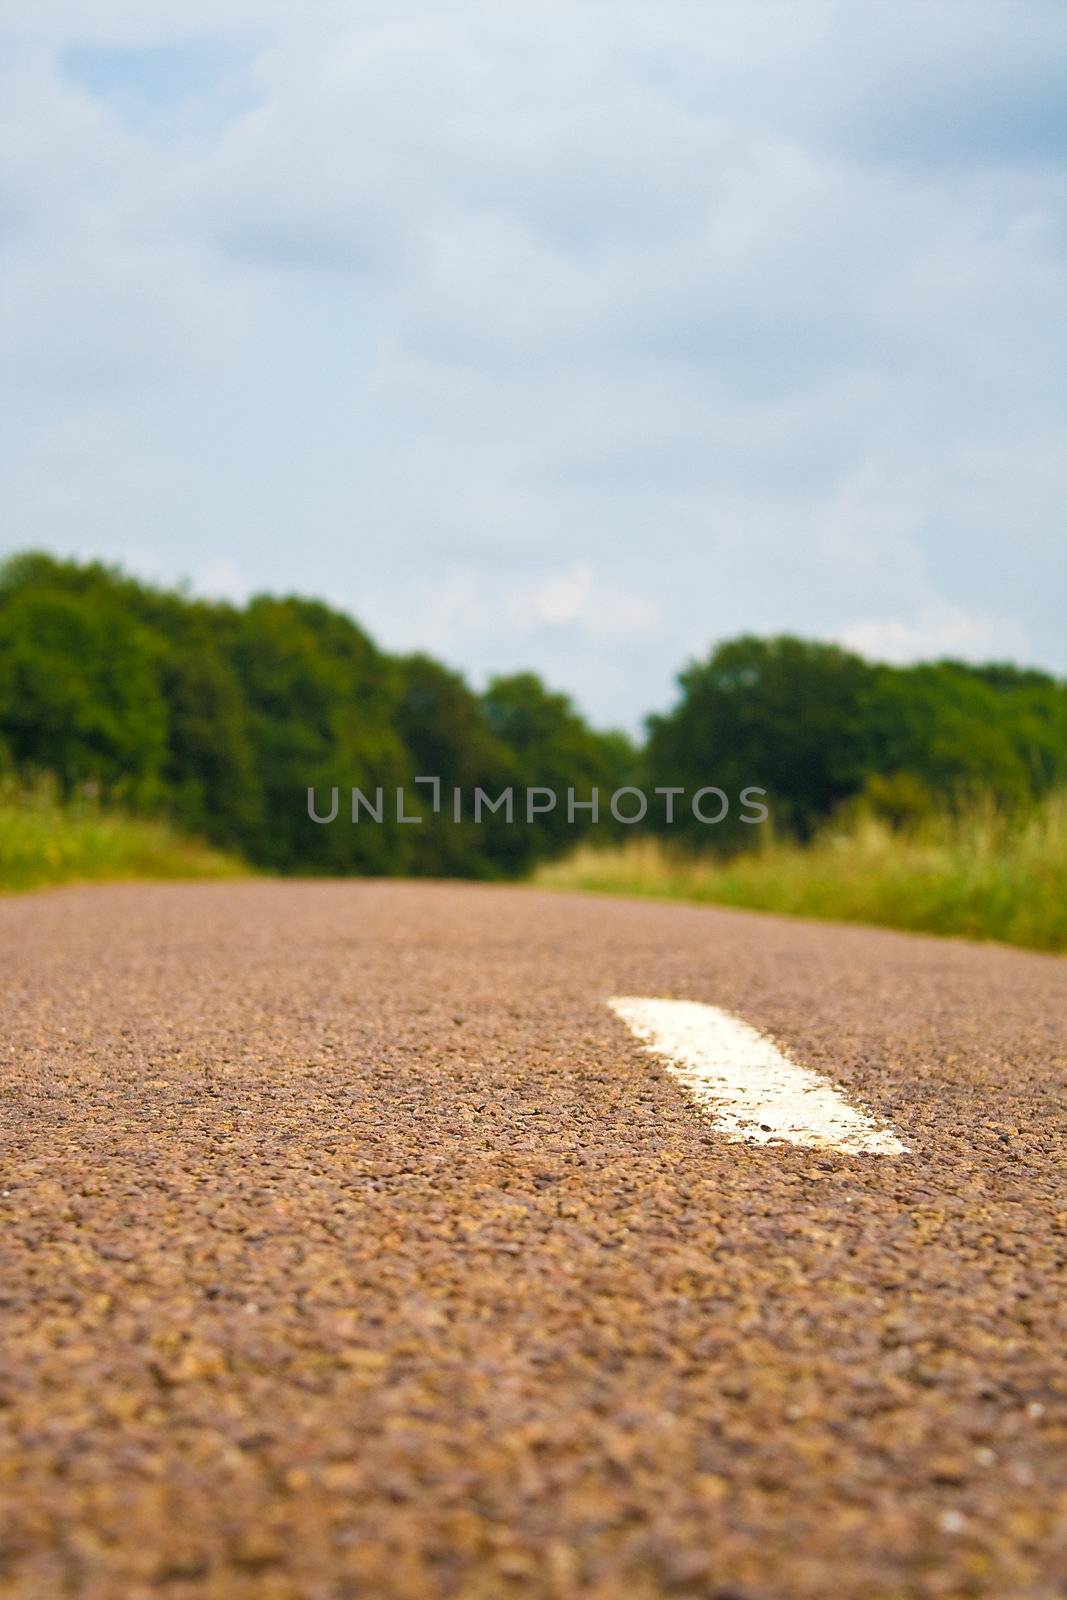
x=636 y=732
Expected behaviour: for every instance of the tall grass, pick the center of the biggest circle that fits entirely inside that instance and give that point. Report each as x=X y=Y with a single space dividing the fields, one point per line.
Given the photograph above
x=48 y=840
x=981 y=874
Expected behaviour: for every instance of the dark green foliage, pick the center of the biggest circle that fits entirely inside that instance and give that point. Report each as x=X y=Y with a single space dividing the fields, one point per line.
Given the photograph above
x=321 y=704
x=444 y=726
x=817 y=726
x=782 y=714
x=965 y=730
x=80 y=692
x=556 y=750
x=223 y=716
x=210 y=770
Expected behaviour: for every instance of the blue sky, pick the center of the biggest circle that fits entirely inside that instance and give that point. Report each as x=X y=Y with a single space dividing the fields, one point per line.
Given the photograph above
x=573 y=337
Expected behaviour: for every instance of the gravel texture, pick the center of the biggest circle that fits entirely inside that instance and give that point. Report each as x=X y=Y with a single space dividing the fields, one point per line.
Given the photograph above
x=351 y=1249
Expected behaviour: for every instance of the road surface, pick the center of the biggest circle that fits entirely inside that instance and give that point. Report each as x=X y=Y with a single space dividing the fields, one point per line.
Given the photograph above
x=353 y=1247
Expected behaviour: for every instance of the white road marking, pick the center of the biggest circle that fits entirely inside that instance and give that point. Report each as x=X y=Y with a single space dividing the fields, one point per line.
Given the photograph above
x=752 y=1088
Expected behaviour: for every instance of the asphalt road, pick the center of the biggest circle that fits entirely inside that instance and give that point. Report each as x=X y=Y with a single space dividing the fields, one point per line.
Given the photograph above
x=352 y=1248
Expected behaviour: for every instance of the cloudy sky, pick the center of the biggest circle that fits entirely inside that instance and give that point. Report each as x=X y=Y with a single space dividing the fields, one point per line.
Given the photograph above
x=574 y=335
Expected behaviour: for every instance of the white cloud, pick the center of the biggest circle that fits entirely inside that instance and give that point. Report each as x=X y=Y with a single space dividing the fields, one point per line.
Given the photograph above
x=574 y=337
x=221 y=580
x=576 y=598
x=935 y=631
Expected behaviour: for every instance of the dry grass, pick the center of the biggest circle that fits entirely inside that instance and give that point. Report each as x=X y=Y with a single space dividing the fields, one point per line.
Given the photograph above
x=46 y=840
x=982 y=874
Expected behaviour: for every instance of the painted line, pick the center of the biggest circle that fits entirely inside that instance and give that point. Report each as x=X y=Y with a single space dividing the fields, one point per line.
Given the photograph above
x=752 y=1089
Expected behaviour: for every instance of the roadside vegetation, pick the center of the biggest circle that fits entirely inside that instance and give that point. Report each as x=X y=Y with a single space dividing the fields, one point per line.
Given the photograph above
x=45 y=840
x=220 y=717
x=981 y=873
x=927 y=796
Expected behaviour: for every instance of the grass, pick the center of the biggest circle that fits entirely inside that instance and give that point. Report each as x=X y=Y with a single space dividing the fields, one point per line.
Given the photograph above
x=46 y=840
x=982 y=874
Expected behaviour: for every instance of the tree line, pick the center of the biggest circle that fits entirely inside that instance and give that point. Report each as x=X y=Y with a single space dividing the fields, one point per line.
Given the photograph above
x=223 y=716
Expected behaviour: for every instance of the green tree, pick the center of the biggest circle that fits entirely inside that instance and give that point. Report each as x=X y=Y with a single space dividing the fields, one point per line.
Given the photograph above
x=80 y=692
x=210 y=766
x=447 y=733
x=964 y=730
x=555 y=748
x=225 y=716
x=322 y=705
x=786 y=715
